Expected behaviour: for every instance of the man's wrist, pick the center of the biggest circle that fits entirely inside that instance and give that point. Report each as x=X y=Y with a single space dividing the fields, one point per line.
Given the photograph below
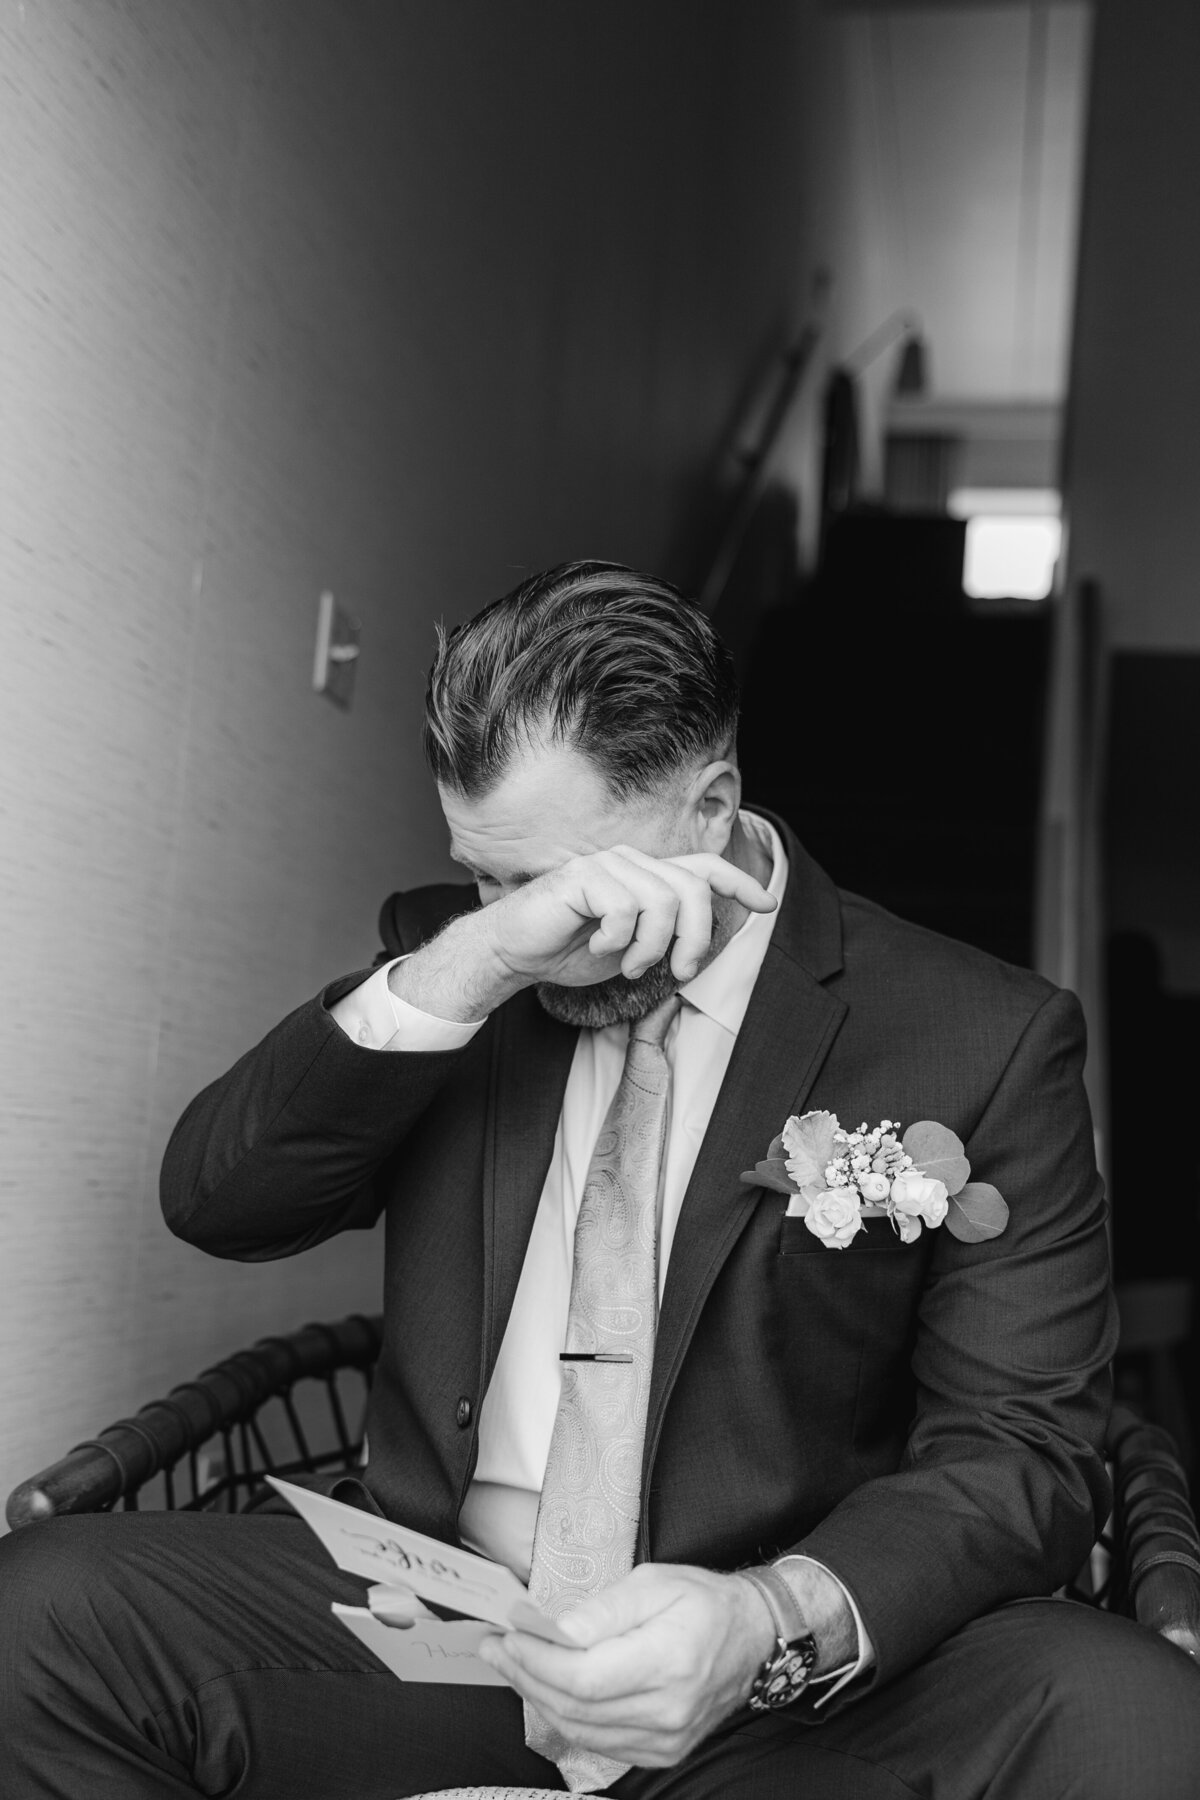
x=784 y=1673
x=821 y=1602
x=786 y=1615
x=758 y=1631
x=456 y=976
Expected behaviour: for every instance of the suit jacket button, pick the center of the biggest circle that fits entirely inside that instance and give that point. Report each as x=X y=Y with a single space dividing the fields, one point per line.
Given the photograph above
x=462 y=1413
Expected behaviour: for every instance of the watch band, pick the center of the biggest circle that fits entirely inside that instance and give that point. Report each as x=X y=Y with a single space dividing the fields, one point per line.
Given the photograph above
x=785 y=1674
x=790 y=1623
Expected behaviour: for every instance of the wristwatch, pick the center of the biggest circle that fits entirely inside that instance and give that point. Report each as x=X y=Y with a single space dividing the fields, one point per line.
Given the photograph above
x=786 y=1673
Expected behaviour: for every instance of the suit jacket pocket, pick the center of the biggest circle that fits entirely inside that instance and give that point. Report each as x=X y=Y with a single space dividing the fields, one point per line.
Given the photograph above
x=795 y=1239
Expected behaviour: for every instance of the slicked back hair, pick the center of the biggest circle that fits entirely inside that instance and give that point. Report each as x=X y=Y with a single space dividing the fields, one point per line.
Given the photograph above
x=618 y=665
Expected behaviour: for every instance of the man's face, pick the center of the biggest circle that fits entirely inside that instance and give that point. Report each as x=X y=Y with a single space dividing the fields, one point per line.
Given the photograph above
x=552 y=805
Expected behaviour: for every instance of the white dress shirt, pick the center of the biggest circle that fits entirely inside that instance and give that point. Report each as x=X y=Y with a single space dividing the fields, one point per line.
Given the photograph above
x=517 y=1415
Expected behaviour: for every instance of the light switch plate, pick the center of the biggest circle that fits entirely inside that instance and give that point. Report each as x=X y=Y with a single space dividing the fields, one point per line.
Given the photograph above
x=337 y=651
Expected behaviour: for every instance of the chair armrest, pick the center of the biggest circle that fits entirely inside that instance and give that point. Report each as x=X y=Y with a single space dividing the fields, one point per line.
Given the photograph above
x=1158 y=1544
x=115 y=1464
x=1167 y=1599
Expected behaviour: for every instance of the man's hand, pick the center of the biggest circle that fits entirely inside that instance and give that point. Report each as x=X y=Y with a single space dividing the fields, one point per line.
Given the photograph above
x=665 y=1655
x=615 y=911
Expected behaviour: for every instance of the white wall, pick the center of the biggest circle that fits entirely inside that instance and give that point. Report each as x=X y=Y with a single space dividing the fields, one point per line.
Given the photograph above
x=403 y=299
x=945 y=148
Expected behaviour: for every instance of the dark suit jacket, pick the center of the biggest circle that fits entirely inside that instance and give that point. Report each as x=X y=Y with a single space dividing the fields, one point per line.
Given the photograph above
x=925 y=1419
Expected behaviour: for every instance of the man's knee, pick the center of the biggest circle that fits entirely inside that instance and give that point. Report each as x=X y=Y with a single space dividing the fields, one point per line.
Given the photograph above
x=1114 y=1709
x=54 y=1578
x=42 y=1567
x=43 y=1574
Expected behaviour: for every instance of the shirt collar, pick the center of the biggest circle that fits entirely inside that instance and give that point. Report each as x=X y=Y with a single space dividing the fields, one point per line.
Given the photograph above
x=722 y=990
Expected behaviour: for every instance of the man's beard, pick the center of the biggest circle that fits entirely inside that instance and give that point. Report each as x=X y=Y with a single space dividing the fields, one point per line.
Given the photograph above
x=616 y=1001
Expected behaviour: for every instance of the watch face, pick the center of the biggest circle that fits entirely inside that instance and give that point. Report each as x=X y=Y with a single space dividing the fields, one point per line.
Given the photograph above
x=785 y=1677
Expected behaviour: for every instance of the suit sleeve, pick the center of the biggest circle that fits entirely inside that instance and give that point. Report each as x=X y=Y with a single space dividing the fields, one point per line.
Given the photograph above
x=295 y=1143
x=1002 y=1481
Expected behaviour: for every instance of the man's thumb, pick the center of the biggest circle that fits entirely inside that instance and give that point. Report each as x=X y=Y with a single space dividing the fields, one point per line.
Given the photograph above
x=622 y=1607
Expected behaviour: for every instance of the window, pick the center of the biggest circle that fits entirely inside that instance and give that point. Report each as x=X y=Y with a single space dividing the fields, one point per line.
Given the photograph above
x=1013 y=540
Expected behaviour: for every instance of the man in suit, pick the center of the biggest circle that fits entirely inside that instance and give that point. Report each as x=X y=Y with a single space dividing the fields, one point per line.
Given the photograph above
x=798 y=1507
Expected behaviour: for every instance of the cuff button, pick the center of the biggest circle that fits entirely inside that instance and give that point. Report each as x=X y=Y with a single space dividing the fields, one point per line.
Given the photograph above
x=462 y=1413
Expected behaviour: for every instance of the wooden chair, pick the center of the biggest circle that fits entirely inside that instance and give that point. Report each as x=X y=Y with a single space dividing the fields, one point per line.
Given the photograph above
x=210 y=1442
x=207 y=1446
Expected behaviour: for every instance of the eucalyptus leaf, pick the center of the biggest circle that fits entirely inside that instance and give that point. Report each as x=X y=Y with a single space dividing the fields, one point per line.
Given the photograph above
x=976 y=1213
x=938 y=1153
x=773 y=1172
x=808 y=1143
x=769 y=1175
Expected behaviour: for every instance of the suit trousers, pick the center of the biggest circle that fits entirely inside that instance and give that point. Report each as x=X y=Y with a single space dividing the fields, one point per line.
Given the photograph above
x=148 y=1656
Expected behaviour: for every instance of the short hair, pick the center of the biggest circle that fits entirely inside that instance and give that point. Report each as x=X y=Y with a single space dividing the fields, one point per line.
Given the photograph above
x=621 y=666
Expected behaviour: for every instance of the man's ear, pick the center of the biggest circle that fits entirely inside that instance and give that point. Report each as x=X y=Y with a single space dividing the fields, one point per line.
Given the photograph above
x=714 y=798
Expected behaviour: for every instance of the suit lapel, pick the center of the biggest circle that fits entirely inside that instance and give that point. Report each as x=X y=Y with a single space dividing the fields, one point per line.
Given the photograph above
x=788 y=1031
x=531 y=1059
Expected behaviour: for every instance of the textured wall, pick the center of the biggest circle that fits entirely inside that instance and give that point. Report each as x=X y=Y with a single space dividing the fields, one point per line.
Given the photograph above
x=399 y=299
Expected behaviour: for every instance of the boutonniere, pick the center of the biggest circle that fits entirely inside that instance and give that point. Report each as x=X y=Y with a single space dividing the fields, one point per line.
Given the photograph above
x=836 y=1179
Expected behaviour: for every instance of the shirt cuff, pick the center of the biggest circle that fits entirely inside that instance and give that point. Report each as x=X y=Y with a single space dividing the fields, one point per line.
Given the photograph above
x=834 y=1680
x=379 y=1020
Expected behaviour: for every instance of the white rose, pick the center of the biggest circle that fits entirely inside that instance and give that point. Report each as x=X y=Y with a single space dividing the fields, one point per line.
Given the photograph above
x=873 y=1187
x=834 y=1216
x=920 y=1197
x=908 y=1228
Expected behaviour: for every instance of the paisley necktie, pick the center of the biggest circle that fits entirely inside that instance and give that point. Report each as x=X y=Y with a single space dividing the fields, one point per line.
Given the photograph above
x=591 y=1496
